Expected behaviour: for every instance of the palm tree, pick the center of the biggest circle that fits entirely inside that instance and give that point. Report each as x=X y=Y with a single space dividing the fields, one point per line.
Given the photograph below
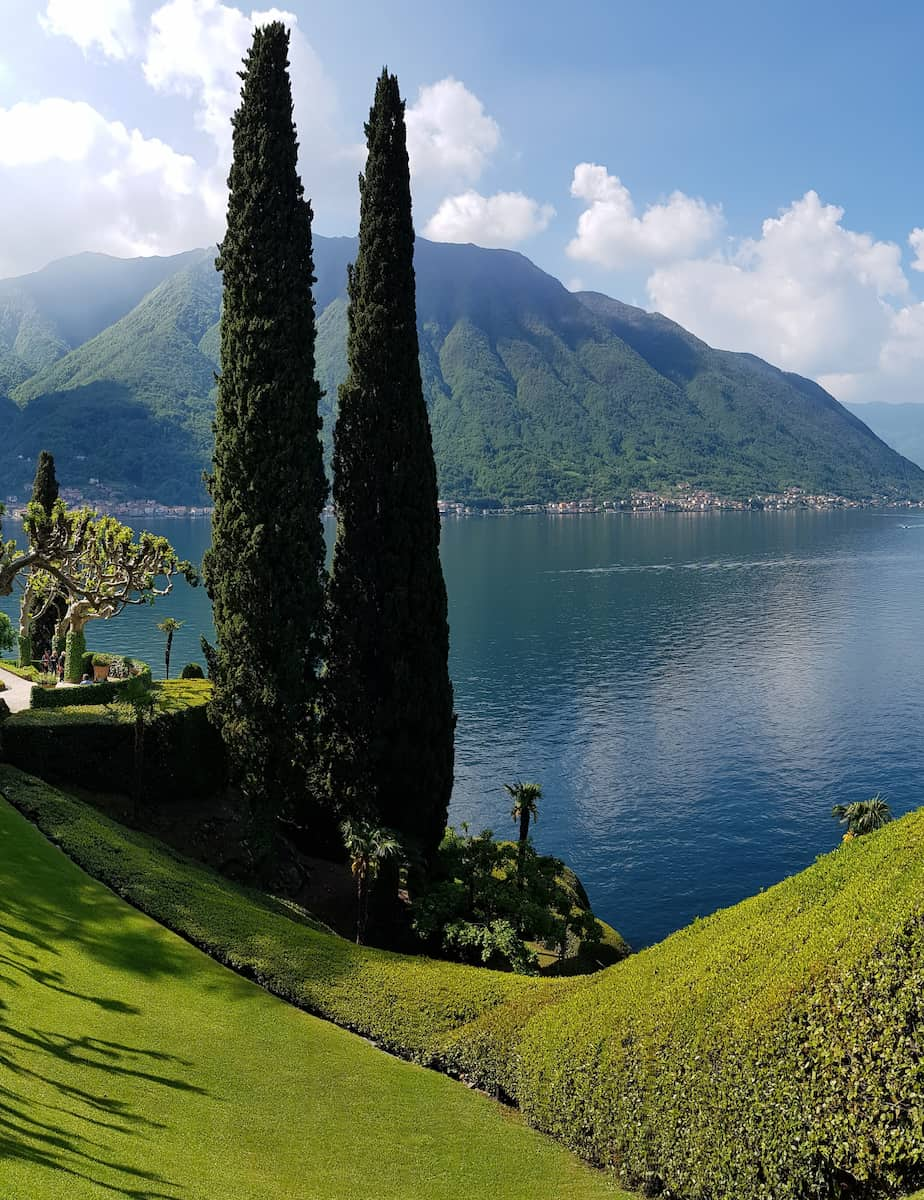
x=143 y=705
x=368 y=846
x=525 y=809
x=863 y=816
x=169 y=626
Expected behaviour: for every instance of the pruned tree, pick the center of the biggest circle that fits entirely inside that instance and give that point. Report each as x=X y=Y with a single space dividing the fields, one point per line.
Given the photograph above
x=96 y=563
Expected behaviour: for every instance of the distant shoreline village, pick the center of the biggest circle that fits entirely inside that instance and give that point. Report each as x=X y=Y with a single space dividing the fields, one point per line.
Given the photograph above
x=685 y=498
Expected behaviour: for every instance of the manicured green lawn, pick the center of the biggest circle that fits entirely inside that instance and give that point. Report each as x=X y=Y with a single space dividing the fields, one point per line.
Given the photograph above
x=131 y=1065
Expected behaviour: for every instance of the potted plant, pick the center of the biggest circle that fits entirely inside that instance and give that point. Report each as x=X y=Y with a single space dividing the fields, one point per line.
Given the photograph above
x=101 y=665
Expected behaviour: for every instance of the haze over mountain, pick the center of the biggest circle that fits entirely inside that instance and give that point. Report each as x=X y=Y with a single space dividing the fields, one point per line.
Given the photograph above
x=535 y=393
x=901 y=425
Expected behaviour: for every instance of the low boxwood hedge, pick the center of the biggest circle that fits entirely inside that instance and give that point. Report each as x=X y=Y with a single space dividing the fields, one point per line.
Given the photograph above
x=89 y=693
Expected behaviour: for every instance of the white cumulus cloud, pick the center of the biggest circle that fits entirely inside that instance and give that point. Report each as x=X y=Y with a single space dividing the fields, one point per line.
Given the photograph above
x=916 y=242
x=72 y=180
x=809 y=294
x=611 y=234
x=195 y=49
x=450 y=137
x=500 y=220
x=109 y=24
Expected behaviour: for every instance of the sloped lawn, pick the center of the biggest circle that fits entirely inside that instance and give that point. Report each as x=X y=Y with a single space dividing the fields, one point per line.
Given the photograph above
x=135 y=1066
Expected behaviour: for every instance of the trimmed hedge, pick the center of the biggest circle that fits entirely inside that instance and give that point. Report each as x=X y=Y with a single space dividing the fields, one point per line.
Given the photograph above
x=92 y=745
x=774 y=1051
x=80 y=695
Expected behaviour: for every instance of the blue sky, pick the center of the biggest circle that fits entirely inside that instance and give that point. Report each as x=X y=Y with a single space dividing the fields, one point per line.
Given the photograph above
x=750 y=170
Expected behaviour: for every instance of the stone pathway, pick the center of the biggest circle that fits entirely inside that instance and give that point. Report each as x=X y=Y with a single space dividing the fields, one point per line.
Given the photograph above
x=18 y=692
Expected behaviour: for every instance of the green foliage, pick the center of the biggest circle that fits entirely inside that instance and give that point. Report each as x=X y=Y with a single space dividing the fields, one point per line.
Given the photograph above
x=104 y=692
x=76 y=648
x=486 y=900
x=863 y=816
x=369 y=847
x=769 y=1052
x=45 y=486
x=33 y=674
x=192 y=671
x=264 y=572
x=387 y=698
x=168 y=627
x=7 y=634
x=92 y=744
x=405 y=1003
x=25 y=651
x=766 y=1052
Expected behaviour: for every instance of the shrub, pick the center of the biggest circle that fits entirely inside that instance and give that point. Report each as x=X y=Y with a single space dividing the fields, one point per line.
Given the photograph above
x=192 y=671
x=105 y=692
x=33 y=674
x=76 y=646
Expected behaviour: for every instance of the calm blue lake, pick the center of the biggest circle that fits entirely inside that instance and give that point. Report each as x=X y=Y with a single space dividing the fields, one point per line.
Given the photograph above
x=693 y=692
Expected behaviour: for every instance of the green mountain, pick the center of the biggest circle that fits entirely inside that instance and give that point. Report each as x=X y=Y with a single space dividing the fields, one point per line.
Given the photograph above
x=901 y=425
x=535 y=393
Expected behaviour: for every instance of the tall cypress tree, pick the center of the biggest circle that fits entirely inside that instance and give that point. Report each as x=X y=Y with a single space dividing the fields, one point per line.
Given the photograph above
x=388 y=697
x=45 y=491
x=45 y=485
x=265 y=570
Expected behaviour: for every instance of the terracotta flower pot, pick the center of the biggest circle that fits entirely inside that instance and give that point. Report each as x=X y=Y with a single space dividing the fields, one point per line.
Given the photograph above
x=100 y=672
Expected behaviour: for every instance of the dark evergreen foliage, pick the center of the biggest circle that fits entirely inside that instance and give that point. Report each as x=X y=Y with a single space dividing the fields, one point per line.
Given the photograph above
x=388 y=699
x=45 y=492
x=45 y=486
x=265 y=570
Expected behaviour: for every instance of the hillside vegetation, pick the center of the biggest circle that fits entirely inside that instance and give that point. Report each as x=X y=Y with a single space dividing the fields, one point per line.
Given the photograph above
x=534 y=393
x=771 y=1052
x=136 y=1066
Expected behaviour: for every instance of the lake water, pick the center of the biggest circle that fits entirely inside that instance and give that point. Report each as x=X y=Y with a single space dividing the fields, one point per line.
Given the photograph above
x=693 y=692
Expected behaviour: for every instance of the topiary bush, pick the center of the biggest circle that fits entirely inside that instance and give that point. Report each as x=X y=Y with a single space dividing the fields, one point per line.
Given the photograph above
x=76 y=647
x=192 y=671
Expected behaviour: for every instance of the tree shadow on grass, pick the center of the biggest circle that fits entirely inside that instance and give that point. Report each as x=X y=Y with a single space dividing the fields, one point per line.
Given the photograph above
x=67 y=1098
x=75 y=1130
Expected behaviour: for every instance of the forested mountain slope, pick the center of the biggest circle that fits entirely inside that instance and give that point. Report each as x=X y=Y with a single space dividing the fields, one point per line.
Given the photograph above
x=535 y=393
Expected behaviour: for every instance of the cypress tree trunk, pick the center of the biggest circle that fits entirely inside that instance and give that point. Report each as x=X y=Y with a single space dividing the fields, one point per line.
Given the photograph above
x=265 y=570
x=388 y=697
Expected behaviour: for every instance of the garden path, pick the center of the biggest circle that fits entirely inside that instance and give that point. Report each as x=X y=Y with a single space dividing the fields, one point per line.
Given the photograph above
x=17 y=693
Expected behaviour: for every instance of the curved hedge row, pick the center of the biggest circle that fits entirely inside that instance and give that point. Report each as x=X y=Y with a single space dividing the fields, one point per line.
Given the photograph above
x=774 y=1051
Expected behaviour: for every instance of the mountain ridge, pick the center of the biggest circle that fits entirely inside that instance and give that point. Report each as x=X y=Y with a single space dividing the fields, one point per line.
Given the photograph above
x=535 y=392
